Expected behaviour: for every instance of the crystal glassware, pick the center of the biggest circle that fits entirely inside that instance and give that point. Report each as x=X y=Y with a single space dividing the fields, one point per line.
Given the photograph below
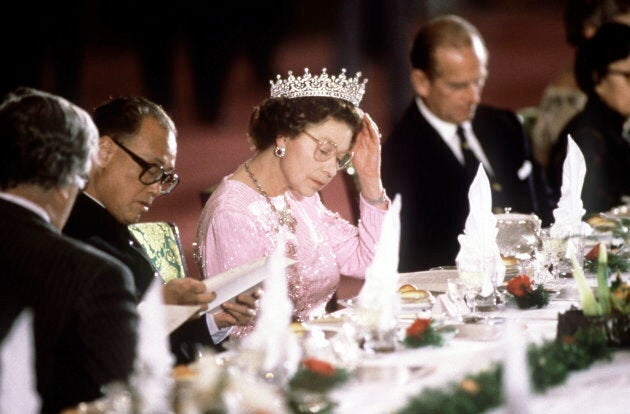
x=472 y=275
x=552 y=252
x=558 y=250
x=375 y=334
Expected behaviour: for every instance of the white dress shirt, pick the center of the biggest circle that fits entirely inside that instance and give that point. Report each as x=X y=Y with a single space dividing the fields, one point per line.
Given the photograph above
x=448 y=132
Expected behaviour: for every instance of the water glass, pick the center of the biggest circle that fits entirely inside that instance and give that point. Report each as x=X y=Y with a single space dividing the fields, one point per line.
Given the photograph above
x=554 y=253
x=472 y=275
x=375 y=332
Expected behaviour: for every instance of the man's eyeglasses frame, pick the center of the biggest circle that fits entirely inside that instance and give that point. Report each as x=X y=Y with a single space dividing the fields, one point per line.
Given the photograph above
x=152 y=173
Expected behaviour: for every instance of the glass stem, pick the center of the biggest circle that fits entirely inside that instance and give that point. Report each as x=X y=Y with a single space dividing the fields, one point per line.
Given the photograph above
x=471 y=302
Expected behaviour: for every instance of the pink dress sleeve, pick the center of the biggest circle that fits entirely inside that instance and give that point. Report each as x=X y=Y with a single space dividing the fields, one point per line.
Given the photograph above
x=355 y=245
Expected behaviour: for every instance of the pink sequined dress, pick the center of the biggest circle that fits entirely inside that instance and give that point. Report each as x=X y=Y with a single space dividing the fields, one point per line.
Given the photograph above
x=237 y=226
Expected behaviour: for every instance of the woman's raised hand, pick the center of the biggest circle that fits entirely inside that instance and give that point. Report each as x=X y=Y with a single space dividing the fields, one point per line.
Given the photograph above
x=367 y=161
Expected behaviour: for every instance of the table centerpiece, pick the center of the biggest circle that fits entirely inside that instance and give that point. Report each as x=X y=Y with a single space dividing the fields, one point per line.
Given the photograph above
x=608 y=311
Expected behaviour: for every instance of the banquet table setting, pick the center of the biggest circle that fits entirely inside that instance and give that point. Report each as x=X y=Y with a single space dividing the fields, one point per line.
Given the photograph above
x=360 y=357
x=385 y=382
x=528 y=320
x=553 y=292
x=527 y=300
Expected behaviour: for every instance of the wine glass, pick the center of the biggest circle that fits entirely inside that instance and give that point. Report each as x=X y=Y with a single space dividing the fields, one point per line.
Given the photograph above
x=471 y=273
x=552 y=252
x=375 y=329
x=493 y=271
x=555 y=253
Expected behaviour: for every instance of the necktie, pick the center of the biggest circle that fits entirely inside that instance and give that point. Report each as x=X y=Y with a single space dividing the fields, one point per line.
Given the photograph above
x=470 y=161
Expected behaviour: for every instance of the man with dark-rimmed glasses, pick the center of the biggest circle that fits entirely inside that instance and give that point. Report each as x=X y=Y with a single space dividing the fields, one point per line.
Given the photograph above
x=135 y=165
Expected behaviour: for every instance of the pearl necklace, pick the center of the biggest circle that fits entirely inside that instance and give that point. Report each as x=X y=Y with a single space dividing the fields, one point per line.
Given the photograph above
x=285 y=218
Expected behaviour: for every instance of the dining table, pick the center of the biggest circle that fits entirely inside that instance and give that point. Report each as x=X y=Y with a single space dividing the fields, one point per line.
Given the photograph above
x=385 y=382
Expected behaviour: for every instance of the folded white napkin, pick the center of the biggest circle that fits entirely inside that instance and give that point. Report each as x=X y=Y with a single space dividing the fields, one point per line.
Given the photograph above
x=17 y=368
x=478 y=243
x=446 y=307
x=271 y=337
x=378 y=301
x=568 y=215
x=152 y=376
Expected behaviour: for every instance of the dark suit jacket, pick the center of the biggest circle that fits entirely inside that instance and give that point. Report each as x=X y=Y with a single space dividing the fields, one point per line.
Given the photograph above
x=93 y=224
x=85 y=320
x=597 y=131
x=434 y=187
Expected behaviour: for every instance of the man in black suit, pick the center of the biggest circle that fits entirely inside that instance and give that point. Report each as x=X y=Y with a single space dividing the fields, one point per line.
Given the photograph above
x=434 y=150
x=85 y=320
x=134 y=166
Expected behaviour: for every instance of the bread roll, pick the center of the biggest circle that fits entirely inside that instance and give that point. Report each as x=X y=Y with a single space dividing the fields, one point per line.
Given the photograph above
x=414 y=295
x=509 y=260
x=407 y=288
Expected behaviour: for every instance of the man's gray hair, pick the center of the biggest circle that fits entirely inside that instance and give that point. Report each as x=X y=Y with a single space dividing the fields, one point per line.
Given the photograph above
x=45 y=140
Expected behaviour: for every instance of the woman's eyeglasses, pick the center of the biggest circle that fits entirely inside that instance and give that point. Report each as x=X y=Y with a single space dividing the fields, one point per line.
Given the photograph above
x=326 y=150
x=624 y=73
x=152 y=173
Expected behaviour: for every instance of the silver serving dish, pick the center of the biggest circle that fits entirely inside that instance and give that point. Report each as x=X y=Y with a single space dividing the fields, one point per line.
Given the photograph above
x=518 y=235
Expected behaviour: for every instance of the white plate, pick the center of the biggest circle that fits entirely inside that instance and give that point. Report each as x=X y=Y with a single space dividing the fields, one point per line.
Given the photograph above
x=405 y=306
x=417 y=305
x=431 y=280
x=331 y=319
x=490 y=330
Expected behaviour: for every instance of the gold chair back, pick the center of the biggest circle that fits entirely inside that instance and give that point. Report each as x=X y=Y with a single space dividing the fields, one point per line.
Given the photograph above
x=162 y=243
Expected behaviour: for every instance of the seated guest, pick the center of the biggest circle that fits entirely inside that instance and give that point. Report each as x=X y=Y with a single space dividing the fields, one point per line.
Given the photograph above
x=135 y=165
x=602 y=70
x=435 y=149
x=85 y=320
x=562 y=98
x=306 y=132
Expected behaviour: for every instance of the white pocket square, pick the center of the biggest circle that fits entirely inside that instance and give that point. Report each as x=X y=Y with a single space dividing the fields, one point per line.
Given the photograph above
x=525 y=170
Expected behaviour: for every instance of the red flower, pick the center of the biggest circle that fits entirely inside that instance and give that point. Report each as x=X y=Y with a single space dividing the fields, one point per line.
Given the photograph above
x=319 y=367
x=593 y=254
x=418 y=327
x=520 y=285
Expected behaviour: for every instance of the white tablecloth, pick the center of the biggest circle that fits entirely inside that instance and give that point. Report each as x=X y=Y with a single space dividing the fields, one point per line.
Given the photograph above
x=603 y=388
x=387 y=381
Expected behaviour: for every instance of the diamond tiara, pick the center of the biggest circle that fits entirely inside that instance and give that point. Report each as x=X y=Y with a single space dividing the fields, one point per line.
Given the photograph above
x=340 y=86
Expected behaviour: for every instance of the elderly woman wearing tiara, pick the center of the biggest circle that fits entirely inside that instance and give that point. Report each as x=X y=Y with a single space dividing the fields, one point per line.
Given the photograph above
x=309 y=129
